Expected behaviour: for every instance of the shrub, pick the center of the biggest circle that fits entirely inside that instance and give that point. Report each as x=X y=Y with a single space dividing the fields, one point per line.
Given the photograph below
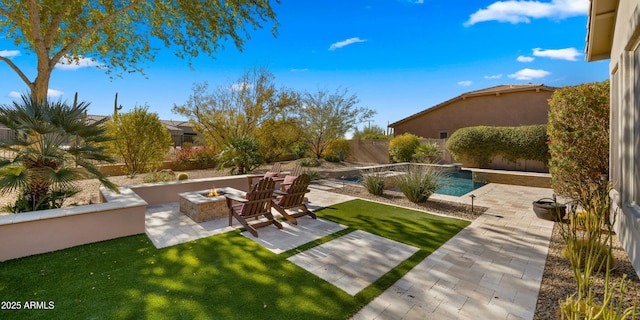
x=241 y=154
x=373 y=181
x=183 y=176
x=158 y=176
x=426 y=153
x=132 y=128
x=578 y=136
x=402 y=147
x=205 y=157
x=299 y=149
x=332 y=158
x=312 y=174
x=419 y=183
x=480 y=144
x=308 y=162
x=338 y=148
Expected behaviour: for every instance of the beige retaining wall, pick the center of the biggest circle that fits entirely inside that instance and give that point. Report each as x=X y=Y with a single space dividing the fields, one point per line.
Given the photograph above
x=120 y=215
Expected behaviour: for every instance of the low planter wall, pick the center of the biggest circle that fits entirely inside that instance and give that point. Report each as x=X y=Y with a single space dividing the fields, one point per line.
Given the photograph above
x=527 y=179
x=120 y=214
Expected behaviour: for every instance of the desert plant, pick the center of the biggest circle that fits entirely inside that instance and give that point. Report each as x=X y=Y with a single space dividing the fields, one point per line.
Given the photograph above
x=373 y=181
x=332 y=158
x=419 y=183
x=312 y=174
x=241 y=154
x=42 y=171
x=183 y=176
x=590 y=251
x=130 y=130
x=426 y=153
x=308 y=162
x=578 y=137
x=337 y=148
x=158 y=176
x=402 y=147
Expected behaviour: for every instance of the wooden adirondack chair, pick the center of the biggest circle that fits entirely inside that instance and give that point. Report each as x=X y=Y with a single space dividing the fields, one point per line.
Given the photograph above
x=293 y=198
x=273 y=173
x=256 y=204
x=288 y=179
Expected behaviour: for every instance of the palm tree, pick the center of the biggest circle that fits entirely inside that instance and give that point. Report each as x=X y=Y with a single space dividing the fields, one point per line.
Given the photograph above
x=42 y=170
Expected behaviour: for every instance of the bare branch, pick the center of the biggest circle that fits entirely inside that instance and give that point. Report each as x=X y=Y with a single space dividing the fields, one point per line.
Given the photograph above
x=18 y=71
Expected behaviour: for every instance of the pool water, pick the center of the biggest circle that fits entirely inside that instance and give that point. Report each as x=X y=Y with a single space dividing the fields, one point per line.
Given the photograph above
x=458 y=183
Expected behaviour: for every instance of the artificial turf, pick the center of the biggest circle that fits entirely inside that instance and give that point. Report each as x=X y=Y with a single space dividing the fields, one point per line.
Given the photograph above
x=225 y=276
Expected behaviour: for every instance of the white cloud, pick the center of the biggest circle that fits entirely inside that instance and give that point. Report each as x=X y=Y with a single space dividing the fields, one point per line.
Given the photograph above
x=50 y=93
x=516 y=11
x=300 y=70
x=570 y=54
x=345 y=43
x=465 y=83
x=69 y=64
x=54 y=93
x=529 y=74
x=492 y=77
x=240 y=86
x=525 y=59
x=9 y=53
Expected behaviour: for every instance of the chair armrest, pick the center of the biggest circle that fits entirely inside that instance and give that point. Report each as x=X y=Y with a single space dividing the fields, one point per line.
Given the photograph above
x=279 y=193
x=235 y=198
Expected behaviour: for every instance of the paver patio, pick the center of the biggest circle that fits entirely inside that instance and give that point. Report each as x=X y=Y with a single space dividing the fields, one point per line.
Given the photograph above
x=490 y=270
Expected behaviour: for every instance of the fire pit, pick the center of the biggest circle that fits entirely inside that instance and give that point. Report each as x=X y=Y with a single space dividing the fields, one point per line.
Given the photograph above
x=204 y=205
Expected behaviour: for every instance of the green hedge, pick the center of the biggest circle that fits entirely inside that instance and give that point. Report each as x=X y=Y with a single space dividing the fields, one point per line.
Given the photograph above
x=480 y=144
x=579 y=137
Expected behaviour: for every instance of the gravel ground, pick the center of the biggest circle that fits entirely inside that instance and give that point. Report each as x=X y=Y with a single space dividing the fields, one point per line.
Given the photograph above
x=557 y=281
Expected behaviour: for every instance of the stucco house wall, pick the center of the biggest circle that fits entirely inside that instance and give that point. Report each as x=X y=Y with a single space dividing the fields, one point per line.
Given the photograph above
x=506 y=105
x=614 y=33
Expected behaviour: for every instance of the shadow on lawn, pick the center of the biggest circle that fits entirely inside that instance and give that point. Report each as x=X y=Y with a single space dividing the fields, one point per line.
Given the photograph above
x=221 y=277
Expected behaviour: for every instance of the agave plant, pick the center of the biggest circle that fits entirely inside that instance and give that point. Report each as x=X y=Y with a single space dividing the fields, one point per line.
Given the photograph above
x=41 y=170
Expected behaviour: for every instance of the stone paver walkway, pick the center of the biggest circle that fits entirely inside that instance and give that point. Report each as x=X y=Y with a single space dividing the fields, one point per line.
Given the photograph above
x=490 y=270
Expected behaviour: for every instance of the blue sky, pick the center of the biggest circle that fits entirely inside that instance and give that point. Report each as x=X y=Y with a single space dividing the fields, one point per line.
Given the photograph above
x=398 y=56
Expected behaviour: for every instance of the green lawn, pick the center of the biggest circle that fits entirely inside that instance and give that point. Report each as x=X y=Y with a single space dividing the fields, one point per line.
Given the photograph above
x=221 y=277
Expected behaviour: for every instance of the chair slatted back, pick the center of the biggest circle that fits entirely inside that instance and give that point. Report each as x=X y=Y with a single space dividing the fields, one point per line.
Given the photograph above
x=277 y=167
x=296 y=192
x=296 y=171
x=259 y=198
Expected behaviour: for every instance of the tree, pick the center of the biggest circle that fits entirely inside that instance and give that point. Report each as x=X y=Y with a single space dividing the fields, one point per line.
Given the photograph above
x=118 y=34
x=327 y=116
x=236 y=109
x=140 y=139
x=370 y=133
x=280 y=130
x=40 y=169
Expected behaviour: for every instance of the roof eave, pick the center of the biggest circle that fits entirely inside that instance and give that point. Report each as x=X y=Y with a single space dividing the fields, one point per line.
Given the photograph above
x=600 y=28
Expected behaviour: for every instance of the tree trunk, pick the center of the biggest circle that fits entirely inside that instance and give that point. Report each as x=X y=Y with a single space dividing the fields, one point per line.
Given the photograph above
x=40 y=86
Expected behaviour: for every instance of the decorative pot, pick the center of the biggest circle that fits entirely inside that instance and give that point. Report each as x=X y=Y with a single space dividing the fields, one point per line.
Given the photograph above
x=548 y=209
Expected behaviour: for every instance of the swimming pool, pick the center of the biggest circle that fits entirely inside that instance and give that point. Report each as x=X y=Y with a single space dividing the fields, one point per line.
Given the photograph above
x=458 y=183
